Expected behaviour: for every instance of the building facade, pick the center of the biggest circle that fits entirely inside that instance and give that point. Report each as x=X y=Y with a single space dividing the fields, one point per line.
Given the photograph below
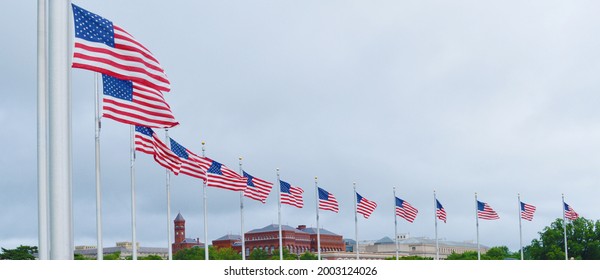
x=418 y=246
x=181 y=242
x=295 y=240
x=124 y=249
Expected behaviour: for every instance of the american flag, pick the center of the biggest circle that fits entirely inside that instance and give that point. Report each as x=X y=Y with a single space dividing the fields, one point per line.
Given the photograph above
x=291 y=195
x=327 y=201
x=570 y=213
x=364 y=206
x=405 y=210
x=147 y=141
x=103 y=47
x=190 y=162
x=440 y=212
x=485 y=212
x=527 y=211
x=133 y=103
x=220 y=176
x=257 y=189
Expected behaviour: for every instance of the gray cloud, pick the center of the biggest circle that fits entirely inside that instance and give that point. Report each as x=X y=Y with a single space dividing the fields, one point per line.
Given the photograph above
x=460 y=97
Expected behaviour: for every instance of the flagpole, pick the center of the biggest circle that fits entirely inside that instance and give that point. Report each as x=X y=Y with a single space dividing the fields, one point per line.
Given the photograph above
x=168 y=187
x=355 y=221
x=59 y=132
x=317 y=211
x=565 y=227
x=132 y=172
x=477 y=225
x=98 y=125
x=42 y=136
x=279 y=216
x=520 y=228
x=242 y=215
x=437 y=243
x=205 y=209
x=395 y=226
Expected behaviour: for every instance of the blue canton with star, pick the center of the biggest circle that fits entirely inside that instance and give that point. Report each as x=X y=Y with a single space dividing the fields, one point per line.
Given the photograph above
x=118 y=88
x=215 y=168
x=249 y=182
x=284 y=186
x=144 y=130
x=178 y=149
x=92 y=27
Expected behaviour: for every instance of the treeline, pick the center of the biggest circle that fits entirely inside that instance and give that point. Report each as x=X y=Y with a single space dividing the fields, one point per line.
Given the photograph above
x=583 y=242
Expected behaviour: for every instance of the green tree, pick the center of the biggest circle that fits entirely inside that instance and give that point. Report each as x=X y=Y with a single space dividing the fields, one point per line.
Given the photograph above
x=500 y=253
x=259 y=254
x=194 y=253
x=20 y=253
x=80 y=257
x=408 y=258
x=112 y=257
x=286 y=255
x=469 y=255
x=308 y=256
x=226 y=254
x=145 y=258
x=494 y=253
x=583 y=241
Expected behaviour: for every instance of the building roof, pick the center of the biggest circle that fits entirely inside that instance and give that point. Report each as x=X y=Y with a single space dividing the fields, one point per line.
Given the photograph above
x=274 y=227
x=229 y=237
x=384 y=240
x=179 y=218
x=191 y=240
x=322 y=231
x=110 y=250
x=429 y=241
x=349 y=241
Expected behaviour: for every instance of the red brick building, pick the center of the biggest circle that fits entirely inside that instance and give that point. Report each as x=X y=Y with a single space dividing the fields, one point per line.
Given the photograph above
x=296 y=240
x=181 y=242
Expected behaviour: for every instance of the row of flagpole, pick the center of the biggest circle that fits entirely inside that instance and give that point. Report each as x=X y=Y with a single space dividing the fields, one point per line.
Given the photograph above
x=54 y=153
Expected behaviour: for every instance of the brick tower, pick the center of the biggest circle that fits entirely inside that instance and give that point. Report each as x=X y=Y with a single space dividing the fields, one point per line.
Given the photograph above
x=179 y=229
x=181 y=242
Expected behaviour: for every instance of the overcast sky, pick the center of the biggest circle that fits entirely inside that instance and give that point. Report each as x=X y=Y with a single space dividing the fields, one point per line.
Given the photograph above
x=493 y=97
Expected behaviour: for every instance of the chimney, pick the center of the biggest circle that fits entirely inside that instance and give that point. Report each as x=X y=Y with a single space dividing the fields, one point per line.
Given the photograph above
x=301 y=227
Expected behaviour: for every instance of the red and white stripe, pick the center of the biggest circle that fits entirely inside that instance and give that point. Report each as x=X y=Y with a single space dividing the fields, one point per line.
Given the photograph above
x=161 y=153
x=527 y=211
x=192 y=166
x=148 y=108
x=293 y=198
x=366 y=207
x=441 y=214
x=407 y=211
x=260 y=191
x=128 y=60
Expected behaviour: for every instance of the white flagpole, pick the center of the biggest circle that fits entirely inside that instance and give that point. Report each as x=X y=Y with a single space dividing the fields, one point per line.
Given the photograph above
x=520 y=228
x=395 y=226
x=99 y=249
x=437 y=243
x=133 y=215
x=355 y=221
x=206 y=256
x=59 y=132
x=477 y=224
x=42 y=136
x=279 y=216
x=168 y=186
x=242 y=215
x=317 y=211
x=565 y=227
